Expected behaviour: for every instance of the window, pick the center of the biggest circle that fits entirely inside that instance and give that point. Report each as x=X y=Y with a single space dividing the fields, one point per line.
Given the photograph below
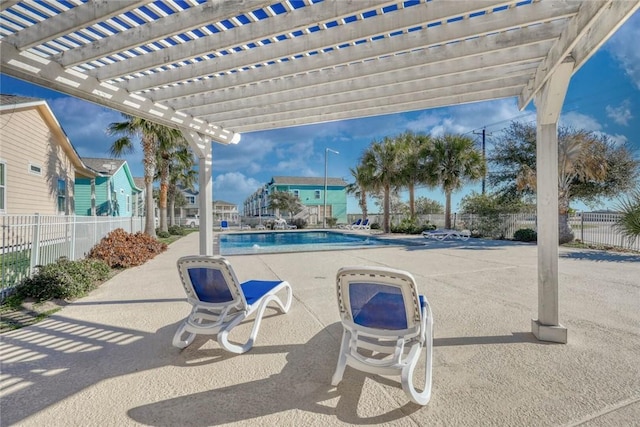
x=35 y=169
x=191 y=200
x=317 y=194
x=3 y=186
x=128 y=203
x=296 y=193
x=62 y=196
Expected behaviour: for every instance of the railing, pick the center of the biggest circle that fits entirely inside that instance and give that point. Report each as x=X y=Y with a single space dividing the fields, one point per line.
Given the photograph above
x=590 y=228
x=32 y=240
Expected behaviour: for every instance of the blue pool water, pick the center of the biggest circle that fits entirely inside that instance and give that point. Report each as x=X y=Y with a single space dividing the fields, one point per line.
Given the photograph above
x=294 y=241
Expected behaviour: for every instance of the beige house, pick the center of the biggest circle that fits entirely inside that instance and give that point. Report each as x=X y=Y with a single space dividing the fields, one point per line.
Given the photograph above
x=225 y=211
x=38 y=164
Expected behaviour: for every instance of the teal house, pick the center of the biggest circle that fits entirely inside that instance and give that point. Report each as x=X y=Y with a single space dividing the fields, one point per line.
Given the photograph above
x=113 y=192
x=311 y=193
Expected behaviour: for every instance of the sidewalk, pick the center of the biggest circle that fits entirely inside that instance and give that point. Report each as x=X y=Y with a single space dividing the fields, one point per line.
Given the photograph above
x=107 y=359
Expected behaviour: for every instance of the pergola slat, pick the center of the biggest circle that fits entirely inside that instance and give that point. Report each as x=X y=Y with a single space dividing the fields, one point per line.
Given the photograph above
x=536 y=13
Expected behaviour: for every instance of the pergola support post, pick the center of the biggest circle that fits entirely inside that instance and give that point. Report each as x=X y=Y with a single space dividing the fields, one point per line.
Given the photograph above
x=549 y=102
x=204 y=152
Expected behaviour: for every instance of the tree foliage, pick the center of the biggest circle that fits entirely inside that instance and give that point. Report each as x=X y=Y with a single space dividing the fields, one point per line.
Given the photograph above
x=283 y=201
x=591 y=167
x=425 y=206
x=452 y=161
x=629 y=223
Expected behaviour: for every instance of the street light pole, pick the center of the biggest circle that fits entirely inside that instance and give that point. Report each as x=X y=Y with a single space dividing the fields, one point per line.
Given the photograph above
x=324 y=211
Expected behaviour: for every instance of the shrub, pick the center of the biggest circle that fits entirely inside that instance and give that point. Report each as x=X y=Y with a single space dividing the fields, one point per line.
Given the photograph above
x=176 y=230
x=411 y=226
x=331 y=222
x=163 y=234
x=120 y=249
x=64 y=280
x=301 y=223
x=375 y=226
x=525 y=235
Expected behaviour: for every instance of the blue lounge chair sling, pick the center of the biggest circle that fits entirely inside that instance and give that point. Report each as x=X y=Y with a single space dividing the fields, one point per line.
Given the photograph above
x=220 y=302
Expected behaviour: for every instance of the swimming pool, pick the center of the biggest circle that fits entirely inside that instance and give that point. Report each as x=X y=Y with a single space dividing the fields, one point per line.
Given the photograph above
x=295 y=241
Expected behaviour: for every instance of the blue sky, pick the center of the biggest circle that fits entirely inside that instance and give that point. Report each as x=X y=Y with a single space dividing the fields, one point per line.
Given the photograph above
x=604 y=96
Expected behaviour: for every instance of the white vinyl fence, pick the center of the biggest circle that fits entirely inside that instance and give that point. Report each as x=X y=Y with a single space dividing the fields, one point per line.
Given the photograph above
x=32 y=240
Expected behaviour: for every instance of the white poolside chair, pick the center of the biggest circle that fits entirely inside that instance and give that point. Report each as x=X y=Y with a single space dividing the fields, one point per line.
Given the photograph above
x=220 y=302
x=363 y=226
x=442 y=234
x=355 y=225
x=383 y=315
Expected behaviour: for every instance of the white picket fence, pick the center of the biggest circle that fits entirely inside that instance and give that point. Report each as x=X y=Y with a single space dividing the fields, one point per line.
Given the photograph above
x=32 y=240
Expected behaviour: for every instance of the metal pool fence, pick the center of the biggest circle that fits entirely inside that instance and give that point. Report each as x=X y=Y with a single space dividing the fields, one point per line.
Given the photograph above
x=591 y=228
x=32 y=240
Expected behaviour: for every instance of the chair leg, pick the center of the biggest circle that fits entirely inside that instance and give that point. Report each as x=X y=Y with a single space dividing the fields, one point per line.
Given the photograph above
x=421 y=398
x=342 y=359
x=179 y=341
x=224 y=333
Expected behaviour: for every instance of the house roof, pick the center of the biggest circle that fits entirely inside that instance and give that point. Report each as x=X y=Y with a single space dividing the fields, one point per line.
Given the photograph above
x=194 y=64
x=139 y=182
x=303 y=180
x=104 y=166
x=110 y=167
x=223 y=203
x=6 y=99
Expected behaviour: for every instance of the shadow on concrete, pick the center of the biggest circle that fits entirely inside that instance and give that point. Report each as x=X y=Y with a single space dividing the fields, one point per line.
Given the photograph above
x=471 y=244
x=59 y=357
x=132 y=301
x=600 y=256
x=303 y=385
x=516 y=337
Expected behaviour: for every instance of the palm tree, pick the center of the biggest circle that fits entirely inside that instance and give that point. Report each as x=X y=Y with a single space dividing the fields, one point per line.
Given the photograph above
x=579 y=160
x=629 y=222
x=149 y=134
x=358 y=188
x=383 y=172
x=452 y=161
x=413 y=149
x=170 y=147
x=181 y=175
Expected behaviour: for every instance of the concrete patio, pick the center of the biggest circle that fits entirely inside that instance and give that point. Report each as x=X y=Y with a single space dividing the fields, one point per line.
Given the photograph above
x=107 y=359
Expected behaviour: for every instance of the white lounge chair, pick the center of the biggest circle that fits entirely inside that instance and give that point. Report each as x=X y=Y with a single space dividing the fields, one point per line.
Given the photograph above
x=382 y=312
x=442 y=234
x=355 y=225
x=280 y=224
x=363 y=226
x=220 y=302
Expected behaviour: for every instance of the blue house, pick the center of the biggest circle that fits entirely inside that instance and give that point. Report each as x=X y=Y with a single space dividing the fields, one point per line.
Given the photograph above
x=115 y=191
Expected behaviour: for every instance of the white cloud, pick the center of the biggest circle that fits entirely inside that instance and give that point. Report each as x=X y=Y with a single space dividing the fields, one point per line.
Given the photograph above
x=623 y=46
x=621 y=114
x=234 y=187
x=494 y=115
x=580 y=121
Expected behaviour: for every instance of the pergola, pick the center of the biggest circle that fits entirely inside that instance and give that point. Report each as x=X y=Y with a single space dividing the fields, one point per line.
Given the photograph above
x=215 y=69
